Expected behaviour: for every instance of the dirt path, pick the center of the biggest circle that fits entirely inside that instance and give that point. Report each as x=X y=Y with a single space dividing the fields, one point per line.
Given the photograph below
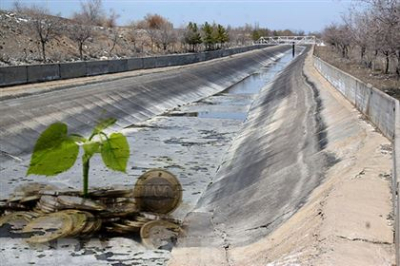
x=347 y=220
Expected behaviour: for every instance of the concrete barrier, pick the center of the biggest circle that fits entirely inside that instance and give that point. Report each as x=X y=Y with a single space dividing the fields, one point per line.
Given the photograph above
x=377 y=106
x=168 y=60
x=72 y=70
x=120 y=65
x=134 y=64
x=43 y=72
x=13 y=75
x=383 y=111
x=396 y=184
x=34 y=73
x=149 y=62
x=96 y=68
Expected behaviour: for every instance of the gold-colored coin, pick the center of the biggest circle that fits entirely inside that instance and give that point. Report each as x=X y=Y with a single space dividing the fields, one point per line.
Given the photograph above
x=17 y=220
x=49 y=227
x=30 y=198
x=135 y=225
x=124 y=227
x=79 y=219
x=80 y=203
x=119 y=210
x=111 y=192
x=158 y=191
x=93 y=224
x=159 y=233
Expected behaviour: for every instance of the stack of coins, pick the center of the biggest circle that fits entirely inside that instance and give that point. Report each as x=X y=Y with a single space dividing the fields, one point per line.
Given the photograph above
x=46 y=213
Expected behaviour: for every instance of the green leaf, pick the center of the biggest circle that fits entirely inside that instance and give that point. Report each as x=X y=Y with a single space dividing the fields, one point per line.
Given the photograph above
x=90 y=148
x=103 y=124
x=77 y=138
x=55 y=152
x=115 y=152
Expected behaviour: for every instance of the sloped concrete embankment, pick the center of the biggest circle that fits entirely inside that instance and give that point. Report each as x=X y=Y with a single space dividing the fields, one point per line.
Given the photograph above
x=304 y=183
x=273 y=165
x=382 y=110
x=130 y=100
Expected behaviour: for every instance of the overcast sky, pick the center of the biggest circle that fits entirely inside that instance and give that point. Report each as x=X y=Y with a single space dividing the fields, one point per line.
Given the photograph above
x=308 y=15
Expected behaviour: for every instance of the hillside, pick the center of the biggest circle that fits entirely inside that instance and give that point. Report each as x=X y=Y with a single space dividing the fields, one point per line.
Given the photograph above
x=19 y=46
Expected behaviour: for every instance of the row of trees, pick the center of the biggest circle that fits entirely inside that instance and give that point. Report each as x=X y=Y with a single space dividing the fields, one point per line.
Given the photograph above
x=46 y=27
x=152 y=31
x=212 y=36
x=373 y=32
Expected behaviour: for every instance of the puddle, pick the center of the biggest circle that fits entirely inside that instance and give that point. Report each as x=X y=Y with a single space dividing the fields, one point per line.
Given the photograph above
x=234 y=102
x=211 y=114
x=254 y=83
x=223 y=115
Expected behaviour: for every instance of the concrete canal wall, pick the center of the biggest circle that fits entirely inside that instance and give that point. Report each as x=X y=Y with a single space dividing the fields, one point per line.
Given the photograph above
x=382 y=110
x=16 y=75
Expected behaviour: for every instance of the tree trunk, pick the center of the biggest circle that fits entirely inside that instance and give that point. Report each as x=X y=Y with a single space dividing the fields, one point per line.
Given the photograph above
x=44 y=51
x=362 y=53
x=398 y=65
x=387 y=63
x=80 y=46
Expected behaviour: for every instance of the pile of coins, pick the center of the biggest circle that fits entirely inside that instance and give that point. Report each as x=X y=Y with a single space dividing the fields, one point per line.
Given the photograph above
x=44 y=213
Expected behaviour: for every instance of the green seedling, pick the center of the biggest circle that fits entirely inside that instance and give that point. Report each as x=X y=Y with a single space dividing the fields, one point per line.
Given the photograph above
x=56 y=151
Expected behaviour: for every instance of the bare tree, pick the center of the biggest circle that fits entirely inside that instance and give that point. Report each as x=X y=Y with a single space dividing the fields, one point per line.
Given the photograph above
x=80 y=32
x=115 y=38
x=44 y=27
x=339 y=37
x=385 y=15
x=359 y=25
x=159 y=29
x=167 y=35
x=110 y=20
x=92 y=11
x=18 y=6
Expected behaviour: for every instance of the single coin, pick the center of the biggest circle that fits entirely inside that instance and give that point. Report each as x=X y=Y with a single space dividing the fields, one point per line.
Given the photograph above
x=91 y=223
x=18 y=220
x=30 y=198
x=159 y=233
x=49 y=227
x=158 y=191
x=79 y=220
x=134 y=225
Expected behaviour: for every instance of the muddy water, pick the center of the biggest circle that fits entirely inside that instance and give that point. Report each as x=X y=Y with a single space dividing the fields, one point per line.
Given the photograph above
x=190 y=141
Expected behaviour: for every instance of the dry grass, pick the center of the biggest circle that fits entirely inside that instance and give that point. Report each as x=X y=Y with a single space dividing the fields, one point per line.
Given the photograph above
x=389 y=83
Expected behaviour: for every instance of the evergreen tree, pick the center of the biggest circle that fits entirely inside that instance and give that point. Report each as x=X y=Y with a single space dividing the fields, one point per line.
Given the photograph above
x=208 y=36
x=222 y=36
x=256 y=35
x=192 y=35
